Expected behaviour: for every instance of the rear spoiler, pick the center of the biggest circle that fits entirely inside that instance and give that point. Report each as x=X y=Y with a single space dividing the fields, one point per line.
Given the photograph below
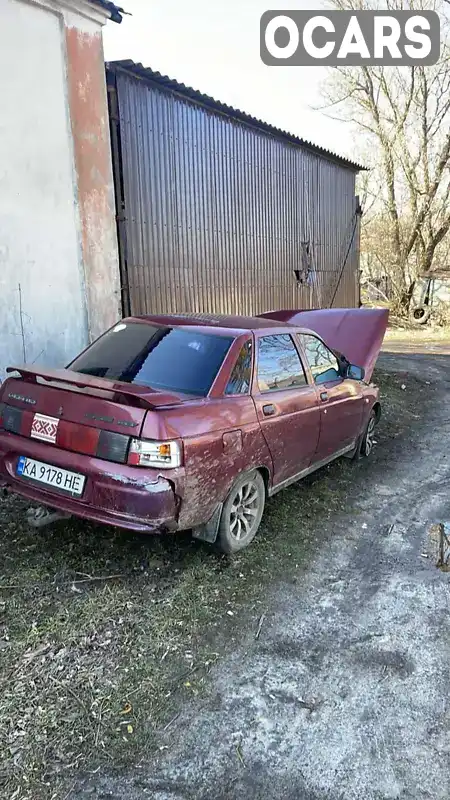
x=142 y=396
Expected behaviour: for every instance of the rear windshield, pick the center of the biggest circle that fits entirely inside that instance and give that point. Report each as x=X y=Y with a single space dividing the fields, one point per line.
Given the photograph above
x=173 y=359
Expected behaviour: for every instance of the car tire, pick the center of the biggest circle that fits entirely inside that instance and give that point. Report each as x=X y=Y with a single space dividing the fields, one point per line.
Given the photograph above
x=420 y=315
x=368 y=438
x=242 y=513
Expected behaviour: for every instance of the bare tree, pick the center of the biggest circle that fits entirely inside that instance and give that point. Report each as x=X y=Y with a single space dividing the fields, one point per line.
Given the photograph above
x=404 y=113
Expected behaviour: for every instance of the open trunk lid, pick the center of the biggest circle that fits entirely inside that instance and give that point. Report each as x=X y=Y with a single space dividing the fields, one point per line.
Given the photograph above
x=357 y=333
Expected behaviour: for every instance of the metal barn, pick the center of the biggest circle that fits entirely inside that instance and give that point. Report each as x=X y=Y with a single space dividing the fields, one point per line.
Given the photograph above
x=219 y=212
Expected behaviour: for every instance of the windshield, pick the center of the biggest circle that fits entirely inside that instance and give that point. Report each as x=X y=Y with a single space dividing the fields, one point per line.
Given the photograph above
x=173 y=359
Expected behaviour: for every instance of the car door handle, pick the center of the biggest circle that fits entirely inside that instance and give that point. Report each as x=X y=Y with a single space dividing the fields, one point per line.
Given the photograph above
x=324 y=397
x=269 y=410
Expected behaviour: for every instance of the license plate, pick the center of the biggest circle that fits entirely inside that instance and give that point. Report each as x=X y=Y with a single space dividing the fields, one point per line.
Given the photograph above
x=68 y=482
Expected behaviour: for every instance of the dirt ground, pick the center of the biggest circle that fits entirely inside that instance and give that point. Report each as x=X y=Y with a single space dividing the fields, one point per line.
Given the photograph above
x=345 y=692
x=313 y=667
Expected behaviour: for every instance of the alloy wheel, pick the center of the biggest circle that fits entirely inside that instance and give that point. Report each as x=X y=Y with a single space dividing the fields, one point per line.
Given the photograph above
x=370 y=437
x=244 y=511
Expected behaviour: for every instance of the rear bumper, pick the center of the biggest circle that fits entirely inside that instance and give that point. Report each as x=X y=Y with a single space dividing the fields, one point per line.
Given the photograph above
x=114 y=494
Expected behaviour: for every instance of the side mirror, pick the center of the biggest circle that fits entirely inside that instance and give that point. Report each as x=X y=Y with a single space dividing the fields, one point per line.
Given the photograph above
x=343 y=362
x=355 y=373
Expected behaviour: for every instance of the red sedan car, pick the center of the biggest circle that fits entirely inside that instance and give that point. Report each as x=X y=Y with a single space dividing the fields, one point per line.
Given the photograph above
x=192 y=421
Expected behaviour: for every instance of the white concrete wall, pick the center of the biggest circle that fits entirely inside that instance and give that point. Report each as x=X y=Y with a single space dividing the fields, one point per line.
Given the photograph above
x=40 y=244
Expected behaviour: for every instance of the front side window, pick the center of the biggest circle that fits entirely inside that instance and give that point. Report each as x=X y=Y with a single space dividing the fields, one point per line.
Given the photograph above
x=171 y=359
x=279 y=365
x=324 y=365
x=241 y=375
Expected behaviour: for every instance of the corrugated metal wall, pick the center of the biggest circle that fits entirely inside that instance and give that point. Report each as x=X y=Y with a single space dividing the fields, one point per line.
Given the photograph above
x=215 y=212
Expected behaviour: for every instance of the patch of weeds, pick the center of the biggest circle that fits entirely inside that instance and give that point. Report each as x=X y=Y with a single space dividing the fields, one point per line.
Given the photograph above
x=104 y=633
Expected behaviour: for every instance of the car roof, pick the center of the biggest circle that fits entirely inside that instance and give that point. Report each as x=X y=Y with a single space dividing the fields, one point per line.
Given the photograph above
x=224 y=322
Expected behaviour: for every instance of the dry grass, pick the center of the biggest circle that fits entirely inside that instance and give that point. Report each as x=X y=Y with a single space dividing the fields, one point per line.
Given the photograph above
x=103 y=634
x=418 y=333
x=401 y=329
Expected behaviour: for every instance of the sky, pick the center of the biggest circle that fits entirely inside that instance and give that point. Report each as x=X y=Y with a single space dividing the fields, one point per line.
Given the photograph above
x=213 y=46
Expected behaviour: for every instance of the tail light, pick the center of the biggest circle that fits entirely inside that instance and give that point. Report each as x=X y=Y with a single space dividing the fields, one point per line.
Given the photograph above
x=78 y=438
x=93 y=442
x=106 y=445
x=145 y=453
x=10 y=418
x=113 y=447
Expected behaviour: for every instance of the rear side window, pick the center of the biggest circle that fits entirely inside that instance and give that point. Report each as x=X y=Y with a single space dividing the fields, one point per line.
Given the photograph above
x=279 y=365
x=241 y=375
x=324 y=365
x=173 y=359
